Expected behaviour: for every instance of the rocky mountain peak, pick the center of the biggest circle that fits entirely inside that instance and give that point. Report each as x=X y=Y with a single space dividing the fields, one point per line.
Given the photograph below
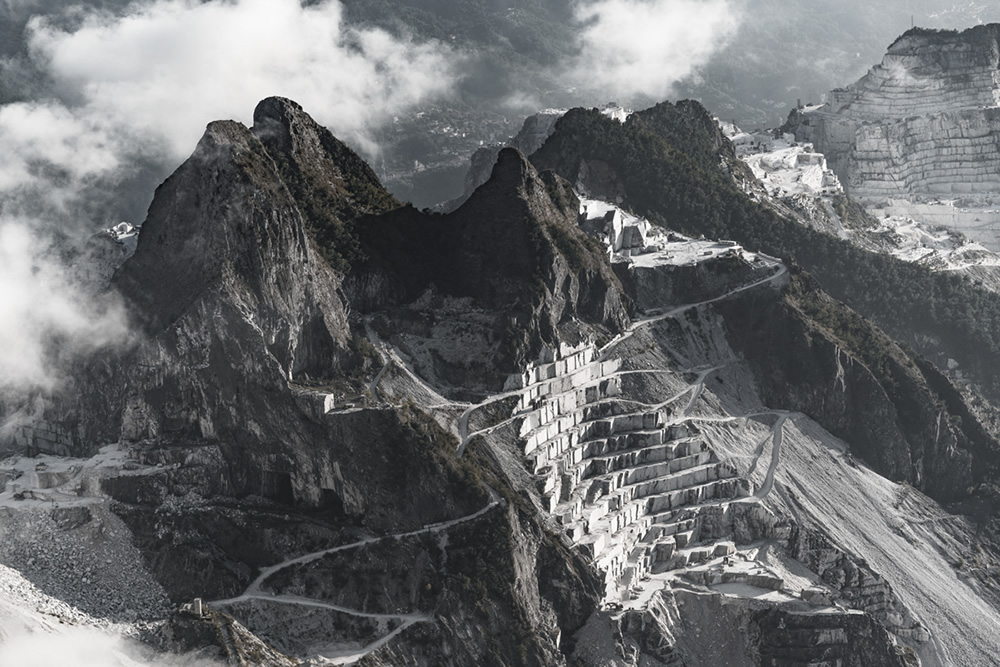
x=332 y=185
x=516 y=181
x=511 y=170
x=282 y=124
x=920 y=127
x=979 y=42
x=208 y=220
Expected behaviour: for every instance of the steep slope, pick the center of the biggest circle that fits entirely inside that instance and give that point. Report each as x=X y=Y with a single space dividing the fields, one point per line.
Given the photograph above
x=253 y=249
x=489 y=444
x=683 y=458
x=268 y=438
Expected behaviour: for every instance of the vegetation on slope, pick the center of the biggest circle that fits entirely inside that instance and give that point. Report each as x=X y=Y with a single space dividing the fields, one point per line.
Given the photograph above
x=668 y=159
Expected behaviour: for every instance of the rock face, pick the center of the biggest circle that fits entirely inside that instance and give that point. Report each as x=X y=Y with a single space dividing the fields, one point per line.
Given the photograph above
x=252 y=252
x=533 y=133
x=921 y=126
x=892 y=416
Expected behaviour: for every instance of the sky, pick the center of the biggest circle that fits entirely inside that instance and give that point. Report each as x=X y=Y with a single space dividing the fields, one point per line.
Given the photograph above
x=637 y=47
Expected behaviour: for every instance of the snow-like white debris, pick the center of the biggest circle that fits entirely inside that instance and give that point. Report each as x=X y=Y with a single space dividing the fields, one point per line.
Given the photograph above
x=57 y=530
x=784 y=166
x=619 y=113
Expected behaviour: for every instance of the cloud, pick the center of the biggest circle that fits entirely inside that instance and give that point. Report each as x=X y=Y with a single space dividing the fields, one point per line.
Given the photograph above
x=166 y=68
x=85 y=647
x=637 y=49
x=46 y=318
x=126 y=97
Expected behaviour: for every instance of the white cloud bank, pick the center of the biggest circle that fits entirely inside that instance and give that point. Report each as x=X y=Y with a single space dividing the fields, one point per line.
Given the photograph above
x=84 y=647
x=635 y=49
x=139 y=88
x=168 y=67
x=45 y=320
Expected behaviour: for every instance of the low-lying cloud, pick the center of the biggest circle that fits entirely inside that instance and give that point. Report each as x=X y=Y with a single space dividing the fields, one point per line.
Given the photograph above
x=85 y=647
x=638 y=49
x=46 y=318
x=130 y=93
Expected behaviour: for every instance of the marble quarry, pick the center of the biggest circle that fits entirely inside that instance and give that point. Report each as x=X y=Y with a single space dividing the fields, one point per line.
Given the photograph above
x=629 y=486
x=921 y=127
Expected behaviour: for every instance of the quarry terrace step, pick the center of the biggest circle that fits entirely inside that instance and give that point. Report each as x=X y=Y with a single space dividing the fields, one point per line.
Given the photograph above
x=625 y=423
x=615 y=491
x=577 y=444
x=599 y=465
x=687 y=553
x=538 y=430
x=655 y=469
x=636 y=515
x=635 y=440
x=548 y=410
x=571 y=469
x=659 y=531
x=612 y=407
x=582 y=378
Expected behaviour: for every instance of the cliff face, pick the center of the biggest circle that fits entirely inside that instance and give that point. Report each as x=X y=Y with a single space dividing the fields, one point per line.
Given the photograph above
x=226 y=217
x=812 y=354
x=922 y=123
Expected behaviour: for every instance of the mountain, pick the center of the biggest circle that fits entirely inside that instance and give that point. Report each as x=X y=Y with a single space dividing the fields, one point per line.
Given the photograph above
x=789 y=52
x=557 y=425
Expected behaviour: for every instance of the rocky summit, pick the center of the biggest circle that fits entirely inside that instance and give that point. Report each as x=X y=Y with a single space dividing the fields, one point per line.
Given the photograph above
x=597 y=414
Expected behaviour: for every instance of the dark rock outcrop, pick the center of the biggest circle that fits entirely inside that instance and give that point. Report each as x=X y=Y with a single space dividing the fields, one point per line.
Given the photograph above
x=249 y=343
x=514 y=249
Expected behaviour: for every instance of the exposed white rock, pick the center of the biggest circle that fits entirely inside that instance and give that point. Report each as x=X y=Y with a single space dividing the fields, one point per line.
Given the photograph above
x=939 y=233
x=920 y=127
x=784 y=166
x=688 y=487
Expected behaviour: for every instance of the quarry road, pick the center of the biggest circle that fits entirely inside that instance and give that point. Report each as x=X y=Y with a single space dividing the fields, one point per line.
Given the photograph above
x=350 y=657
x=254 y=592
x=758 y=451
x=677 y=310
x=777 y=431
x=602 y=355
x=699 y=386
x=254 y=588
x=392 y=357
x=309 y=602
